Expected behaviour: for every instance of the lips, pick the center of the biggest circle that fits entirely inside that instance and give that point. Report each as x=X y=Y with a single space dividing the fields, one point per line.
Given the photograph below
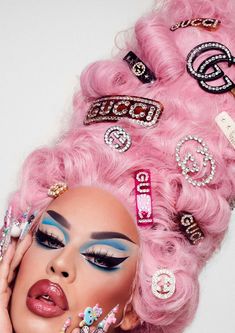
x=46 y=299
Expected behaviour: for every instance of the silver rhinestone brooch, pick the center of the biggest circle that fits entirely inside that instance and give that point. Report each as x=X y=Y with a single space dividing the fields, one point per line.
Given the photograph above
x=190 y=166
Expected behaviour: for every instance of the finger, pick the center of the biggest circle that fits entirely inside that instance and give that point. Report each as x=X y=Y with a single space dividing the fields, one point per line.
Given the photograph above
x=22 y=247
x=76 y=330
x=5 y=266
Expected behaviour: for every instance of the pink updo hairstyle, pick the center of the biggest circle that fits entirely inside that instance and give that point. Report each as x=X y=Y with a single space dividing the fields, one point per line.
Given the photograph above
x=80 y=156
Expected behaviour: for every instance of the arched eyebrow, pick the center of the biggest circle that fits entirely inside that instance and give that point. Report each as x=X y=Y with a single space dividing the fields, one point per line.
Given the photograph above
x=59 y=218
x=110 y=235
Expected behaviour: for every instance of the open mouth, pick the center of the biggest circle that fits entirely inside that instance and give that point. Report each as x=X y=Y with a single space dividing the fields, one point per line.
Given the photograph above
x=46 y=299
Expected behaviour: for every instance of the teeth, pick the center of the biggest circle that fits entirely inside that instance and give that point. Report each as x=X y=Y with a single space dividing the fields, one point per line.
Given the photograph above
x=46 y=297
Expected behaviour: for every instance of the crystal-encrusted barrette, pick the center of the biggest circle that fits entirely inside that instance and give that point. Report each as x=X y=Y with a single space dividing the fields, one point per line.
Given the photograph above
x=143 y=111
x=190 y=228
x=208 y=69
x=190 y=166
x=205 y=23
x=57 y=189
x=139 y=68
x=163 y=283
x=117 y=138
x=143 y=198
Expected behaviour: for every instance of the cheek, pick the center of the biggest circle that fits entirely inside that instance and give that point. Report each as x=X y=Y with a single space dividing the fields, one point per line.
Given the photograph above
x=31 y=270
x=105 y=288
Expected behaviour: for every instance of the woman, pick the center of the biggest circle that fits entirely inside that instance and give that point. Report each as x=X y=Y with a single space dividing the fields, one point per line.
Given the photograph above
x=185 y=172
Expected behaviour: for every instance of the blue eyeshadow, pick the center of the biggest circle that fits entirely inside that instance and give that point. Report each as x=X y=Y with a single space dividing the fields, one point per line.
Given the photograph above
x=50 y=221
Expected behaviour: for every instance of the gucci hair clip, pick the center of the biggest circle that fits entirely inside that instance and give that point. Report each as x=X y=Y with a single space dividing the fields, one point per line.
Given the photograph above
x=190 y=228
x=143 y=198
x=163 y=283
x=192 y=165
x=139 y=68
x=143 y=111
x=210 y=24
x=208 y=71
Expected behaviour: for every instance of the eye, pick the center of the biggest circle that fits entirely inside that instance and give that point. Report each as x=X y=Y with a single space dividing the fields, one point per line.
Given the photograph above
x=103 y=260
x=48 y=240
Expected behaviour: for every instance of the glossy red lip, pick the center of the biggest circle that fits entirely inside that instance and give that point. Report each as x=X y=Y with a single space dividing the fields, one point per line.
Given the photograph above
x=46 y=299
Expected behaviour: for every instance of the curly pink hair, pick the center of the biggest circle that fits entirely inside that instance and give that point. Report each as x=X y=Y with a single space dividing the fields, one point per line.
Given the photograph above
x=80 y=156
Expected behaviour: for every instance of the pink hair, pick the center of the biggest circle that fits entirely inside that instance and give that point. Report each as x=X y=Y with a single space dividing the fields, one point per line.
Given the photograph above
x=80 y=157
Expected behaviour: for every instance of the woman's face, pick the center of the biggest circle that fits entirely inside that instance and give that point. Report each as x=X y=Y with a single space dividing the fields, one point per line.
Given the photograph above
x=86 y=246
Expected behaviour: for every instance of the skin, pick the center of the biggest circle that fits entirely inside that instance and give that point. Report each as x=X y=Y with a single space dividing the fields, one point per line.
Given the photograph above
x=91 y=213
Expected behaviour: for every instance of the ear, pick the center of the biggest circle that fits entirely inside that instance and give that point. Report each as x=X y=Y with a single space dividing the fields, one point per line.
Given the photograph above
x=130 y=319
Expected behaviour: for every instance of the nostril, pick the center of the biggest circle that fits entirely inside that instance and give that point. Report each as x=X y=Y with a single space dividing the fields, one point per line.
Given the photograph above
x=65 y=274
x=52 y=269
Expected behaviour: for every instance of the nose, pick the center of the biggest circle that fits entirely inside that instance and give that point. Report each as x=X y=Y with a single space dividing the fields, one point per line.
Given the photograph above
x=62 y=265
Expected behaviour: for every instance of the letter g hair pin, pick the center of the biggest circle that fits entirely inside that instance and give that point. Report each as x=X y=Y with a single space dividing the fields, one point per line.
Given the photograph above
x=208 y=70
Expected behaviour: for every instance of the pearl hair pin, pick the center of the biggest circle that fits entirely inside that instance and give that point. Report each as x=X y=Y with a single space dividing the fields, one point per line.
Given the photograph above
x=163 y=284
x=57 y=189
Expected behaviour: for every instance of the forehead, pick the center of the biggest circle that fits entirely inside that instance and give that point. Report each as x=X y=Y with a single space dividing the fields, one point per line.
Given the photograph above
x=89 y=209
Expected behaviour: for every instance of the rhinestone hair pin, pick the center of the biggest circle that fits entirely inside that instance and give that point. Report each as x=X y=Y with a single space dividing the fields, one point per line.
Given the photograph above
x=163 y=283
x=209 y=70
x=190 y=228
x=143 y=198
x=143 y=111
x=210 y=24
x=190 y=166
x=117 y=138
x=139 y=68
x=57 y=189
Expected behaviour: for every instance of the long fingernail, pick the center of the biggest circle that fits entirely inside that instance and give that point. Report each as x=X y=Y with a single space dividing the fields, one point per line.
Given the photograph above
x=5 y=233
x=109 y=320
x=27 y=224
x=66 y=325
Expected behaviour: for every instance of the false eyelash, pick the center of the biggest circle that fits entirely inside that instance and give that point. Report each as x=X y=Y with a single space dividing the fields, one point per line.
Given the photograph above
x=97 y=253
x=108 y=262
x=43 y=237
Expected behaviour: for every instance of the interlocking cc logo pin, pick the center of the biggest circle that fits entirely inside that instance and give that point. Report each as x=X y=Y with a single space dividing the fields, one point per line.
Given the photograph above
x=208 y=70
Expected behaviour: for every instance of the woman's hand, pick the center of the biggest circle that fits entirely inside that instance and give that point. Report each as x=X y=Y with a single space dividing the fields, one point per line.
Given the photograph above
x=10 y=262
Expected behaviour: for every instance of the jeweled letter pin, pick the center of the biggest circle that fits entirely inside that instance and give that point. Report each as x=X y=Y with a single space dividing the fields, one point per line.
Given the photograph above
x=143 y=197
